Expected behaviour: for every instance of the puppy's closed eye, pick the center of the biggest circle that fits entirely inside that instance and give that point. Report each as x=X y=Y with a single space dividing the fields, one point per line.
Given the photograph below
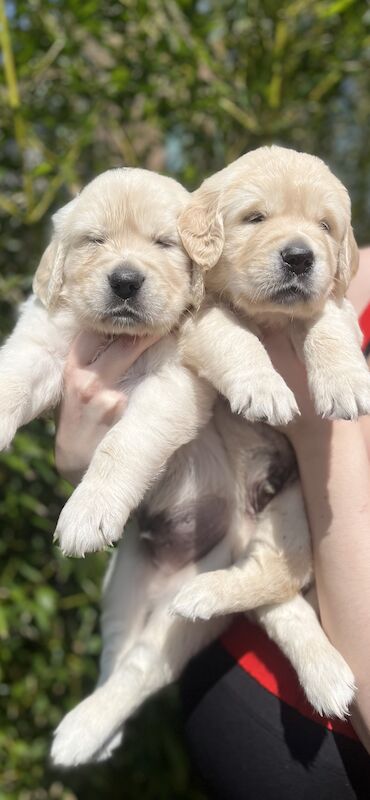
x=254 y=217
x=163 y=241
x=93 y=238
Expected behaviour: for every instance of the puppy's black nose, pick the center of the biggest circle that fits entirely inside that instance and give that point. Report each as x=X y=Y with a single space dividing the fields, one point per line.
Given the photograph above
x=125 y=282
x=297 y=257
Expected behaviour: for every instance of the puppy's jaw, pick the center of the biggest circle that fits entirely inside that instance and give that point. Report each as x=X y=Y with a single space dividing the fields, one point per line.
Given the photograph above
x=119 y=325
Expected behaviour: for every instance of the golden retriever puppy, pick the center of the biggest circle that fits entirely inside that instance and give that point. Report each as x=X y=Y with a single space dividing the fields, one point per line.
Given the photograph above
x=272 y=232
x=213 y=507
x=115 y=265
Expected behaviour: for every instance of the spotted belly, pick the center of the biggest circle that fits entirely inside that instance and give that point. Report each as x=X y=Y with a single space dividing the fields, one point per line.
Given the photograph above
x=185 y=534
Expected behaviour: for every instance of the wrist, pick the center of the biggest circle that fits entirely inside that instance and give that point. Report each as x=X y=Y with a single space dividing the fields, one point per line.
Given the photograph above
x=312 y=436
x=324 y=446
x=307 y=432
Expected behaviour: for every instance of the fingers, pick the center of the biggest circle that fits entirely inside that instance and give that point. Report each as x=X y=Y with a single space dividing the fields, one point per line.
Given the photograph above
x=114 y=360
x=113 y=363
x=84 y=349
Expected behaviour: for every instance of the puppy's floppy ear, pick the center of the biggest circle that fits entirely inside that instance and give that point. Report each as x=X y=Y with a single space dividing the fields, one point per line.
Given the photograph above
x=197 y=285
x=201 y=229
x=48 y=280
x=348 y=260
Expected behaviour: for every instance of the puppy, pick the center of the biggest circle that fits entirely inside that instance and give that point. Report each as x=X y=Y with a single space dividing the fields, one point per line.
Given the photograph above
x=273 y=234
x=115 y=265
x=274 y=231
x=228 y=498
x=207 y=511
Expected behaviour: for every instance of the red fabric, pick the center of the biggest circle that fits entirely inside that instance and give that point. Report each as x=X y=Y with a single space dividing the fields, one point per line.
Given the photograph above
x=365 y=326
x=262 y=660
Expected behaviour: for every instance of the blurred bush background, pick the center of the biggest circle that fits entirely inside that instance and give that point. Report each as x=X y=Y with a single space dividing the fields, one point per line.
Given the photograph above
x=181 y=87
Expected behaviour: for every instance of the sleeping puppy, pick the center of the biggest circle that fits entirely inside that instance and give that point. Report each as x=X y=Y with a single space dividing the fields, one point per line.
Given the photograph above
x=273 y=234
x=208 y=544
x=115 y=265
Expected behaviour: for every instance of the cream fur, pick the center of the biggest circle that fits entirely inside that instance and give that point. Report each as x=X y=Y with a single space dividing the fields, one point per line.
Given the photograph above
x=122 y=217
x=170 y=448
x=236 y=227
x=155 y=619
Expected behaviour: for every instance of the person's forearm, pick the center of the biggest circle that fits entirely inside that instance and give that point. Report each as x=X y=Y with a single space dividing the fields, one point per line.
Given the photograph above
x=334 y=471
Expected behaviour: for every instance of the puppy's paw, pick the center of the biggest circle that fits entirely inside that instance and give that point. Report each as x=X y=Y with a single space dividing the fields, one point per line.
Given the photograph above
x=8 y=429
x=342 y=394
x=328 y=682
x=91 y=520
x=81 y=735
x=198 y=599
x=265 y=398
x=13 y=402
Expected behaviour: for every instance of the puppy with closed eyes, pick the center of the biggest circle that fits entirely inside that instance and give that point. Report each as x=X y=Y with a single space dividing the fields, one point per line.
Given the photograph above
x=209 y=510
x=115 y=265
x=272 y=233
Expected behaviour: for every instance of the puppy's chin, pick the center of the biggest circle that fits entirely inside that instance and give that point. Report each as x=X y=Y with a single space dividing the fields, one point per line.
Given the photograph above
x=120 y=322
x=293 y=300
x=283 y=301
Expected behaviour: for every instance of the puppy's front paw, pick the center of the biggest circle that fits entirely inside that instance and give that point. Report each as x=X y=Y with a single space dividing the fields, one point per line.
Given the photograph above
x=8 y=429
x=13 y=401
x=342 y=394
x=198 y=599
x=265 y=398
x=91 y=520
x=80 y=737
x=328 y=682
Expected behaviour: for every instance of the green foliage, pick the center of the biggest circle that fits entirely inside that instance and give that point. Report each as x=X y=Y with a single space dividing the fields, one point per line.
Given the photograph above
x=182 y=87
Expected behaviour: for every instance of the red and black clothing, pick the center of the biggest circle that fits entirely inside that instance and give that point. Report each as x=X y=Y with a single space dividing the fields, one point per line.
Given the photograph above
x=250 y=729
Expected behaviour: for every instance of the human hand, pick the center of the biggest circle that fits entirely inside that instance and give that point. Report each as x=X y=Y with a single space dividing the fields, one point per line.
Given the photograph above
x=292 y=369
x=92 y=402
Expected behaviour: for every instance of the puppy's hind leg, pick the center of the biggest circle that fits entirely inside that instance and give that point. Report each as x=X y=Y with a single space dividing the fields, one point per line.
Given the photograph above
x=88 y=733
x=126 y=599
x=326 y=679
x=277 y=564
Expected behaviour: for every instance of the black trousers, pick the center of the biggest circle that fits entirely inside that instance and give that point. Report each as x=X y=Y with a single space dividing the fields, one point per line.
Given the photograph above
x=249 y=745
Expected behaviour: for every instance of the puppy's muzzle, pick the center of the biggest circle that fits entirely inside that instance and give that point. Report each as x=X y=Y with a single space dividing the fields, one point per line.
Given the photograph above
x=297 y=259
x=125 y=282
